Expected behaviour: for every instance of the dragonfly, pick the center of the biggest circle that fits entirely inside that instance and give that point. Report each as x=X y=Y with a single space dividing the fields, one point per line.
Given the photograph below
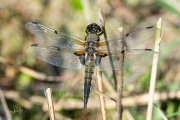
x=67 y=51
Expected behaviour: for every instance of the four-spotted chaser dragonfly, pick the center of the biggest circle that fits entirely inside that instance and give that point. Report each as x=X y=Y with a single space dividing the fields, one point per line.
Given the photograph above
x=68 y=51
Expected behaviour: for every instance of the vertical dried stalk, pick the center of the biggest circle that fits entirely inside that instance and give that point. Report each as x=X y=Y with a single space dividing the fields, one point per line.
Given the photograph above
x=99 y=73
x=119 y=107
x=102 y=24
x=101 y=98
x=4 y=105
x=48 y=94
x=154 y=72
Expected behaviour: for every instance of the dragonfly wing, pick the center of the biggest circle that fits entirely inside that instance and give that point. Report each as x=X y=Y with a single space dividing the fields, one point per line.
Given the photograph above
x=113 y=44
x=58 y=57
x=53 y=37
x=130 y=40
x=108 y=63
x=132 y=58
x=142 y=35
x=137 y=56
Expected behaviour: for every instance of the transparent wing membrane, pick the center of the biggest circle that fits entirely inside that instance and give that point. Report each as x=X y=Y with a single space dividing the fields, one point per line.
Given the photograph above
x=59 y=57
x=54 y=38
x=132 y=58
x=130 y=40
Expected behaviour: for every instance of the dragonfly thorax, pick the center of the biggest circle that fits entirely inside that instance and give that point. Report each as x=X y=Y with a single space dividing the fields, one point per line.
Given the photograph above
x=92 y=38
x=91 y=43
x=90 y=50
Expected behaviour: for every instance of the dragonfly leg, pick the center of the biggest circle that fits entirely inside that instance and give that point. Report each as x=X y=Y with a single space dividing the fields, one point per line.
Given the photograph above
x=100 y=33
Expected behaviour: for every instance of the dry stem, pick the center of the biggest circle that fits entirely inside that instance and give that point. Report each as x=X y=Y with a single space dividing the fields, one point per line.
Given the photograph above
x=48 y=94
x=154 y=72
x=99 y=73
x=119 y=107
x=4 y=105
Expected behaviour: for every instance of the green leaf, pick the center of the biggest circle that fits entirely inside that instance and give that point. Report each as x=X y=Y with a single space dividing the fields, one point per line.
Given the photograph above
x=24 y=79
x=76 y=4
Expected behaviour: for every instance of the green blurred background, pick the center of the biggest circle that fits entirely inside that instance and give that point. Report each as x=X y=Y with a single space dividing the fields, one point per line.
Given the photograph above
x=24 y=78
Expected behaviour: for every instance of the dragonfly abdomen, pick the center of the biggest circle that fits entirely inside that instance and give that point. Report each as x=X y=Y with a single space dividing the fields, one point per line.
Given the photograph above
x=89 y=70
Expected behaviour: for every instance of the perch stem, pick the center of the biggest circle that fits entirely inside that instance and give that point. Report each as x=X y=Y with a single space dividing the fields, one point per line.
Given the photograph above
x=48 y=94
x=154 y=72
x=99 y=73
x=119 y=107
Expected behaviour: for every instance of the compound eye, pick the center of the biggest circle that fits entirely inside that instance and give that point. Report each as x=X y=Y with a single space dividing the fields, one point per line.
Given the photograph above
x=89 y=27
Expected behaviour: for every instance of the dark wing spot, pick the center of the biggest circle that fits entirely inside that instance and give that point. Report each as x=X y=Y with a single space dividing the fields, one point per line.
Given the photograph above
x=149 y=27
x=34 y=22
x=75 y=53
x=34 y=45
x=57 y=48
x=148 y=49
x=105 y=55
x=123 y=51
x=55 y=32
x=127 y=34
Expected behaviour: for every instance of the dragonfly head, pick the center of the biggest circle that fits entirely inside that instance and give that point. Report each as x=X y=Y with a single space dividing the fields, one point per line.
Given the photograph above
x=94 y=28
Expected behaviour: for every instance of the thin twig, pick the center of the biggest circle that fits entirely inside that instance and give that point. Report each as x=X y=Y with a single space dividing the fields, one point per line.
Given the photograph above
x=128 y=115
x=154 y=72
x=119 y=107
x=48 y=94
x=4 y=105
x=104 y=95
x=101 y=22
x=160 y=112
x=99 y=73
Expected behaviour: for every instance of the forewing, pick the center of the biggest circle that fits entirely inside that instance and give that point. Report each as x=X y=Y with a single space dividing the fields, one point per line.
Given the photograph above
x=58 y=57
x=132 y=58
x=54 y=38
x=130 y=40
